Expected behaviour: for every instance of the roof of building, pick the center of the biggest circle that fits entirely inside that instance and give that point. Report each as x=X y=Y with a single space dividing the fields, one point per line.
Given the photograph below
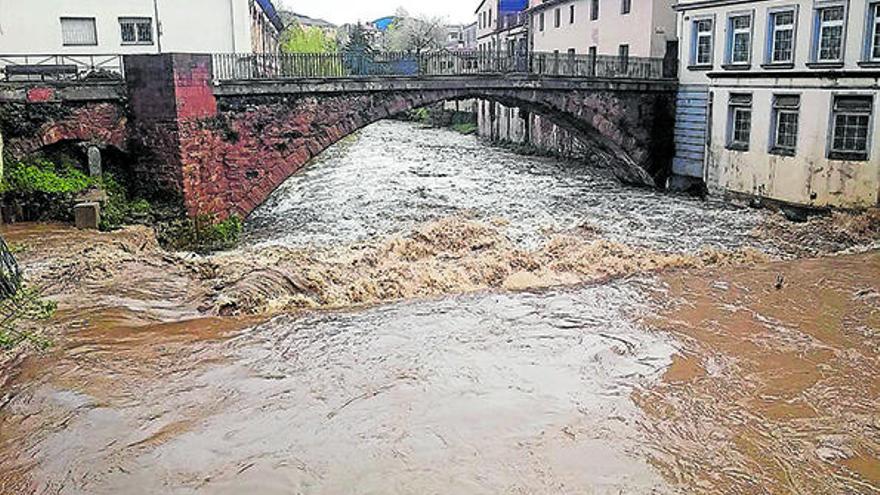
x=311 y=21
x=272 y=13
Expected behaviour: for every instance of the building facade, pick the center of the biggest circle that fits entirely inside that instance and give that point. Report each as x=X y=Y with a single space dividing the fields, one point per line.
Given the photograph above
x=779 y=99
x=461 y=37
x=92 y=27
x=502 y=27
x=638 y=28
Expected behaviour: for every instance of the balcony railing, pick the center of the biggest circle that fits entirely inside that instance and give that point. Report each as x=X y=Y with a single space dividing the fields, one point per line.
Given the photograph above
x=241 y=67
x=61 y=67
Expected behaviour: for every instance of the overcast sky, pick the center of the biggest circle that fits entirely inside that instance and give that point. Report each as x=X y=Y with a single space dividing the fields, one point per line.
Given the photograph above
x=342 y=11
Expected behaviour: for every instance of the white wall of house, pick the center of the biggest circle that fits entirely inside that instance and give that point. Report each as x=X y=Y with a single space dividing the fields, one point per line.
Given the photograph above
x=646 y=28
x=812 y=171
x=808 y=177
x=35 y=26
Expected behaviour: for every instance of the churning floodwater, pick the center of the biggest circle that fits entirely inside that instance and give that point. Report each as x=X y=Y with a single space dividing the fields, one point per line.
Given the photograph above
x=393 y=175
x=483 y=393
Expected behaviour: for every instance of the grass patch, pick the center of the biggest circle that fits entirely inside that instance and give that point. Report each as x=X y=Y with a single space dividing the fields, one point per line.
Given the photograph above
x=466 y=128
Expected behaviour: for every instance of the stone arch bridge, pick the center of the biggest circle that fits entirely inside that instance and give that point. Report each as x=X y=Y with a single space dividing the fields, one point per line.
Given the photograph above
x=223 y=146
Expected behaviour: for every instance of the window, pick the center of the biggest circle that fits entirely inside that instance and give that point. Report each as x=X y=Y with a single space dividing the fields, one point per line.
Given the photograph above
x=739 y=50
x=786 y=113
x=782 y=37
x=625 y=6
x=571 y=14
x=850 y=119
x=541 y=22
x=740 y=122
x=593 y=59
x=623 y=54
x=490 y=18
x=874 y=30
x=136 y=31
x=594 y=10
x=829 y=33
x=702 y=43
x=557 y=20
x=79 y=31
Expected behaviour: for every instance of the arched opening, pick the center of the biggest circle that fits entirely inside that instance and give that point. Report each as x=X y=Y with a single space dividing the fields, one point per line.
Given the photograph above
x=257 y=141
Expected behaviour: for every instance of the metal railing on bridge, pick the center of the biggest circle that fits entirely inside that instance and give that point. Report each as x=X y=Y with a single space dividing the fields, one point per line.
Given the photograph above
x=61 y=67
x=241 y=67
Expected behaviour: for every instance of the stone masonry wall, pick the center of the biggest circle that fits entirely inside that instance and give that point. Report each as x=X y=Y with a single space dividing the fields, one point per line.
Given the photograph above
x=29 y=126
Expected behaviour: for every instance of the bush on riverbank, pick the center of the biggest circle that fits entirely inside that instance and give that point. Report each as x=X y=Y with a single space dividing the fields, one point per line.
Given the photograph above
x=466 y=128
x=19 y=315
x=120 y=210
x=203 y=234
x=43 y=189
x=440 y=117
x=40 y=189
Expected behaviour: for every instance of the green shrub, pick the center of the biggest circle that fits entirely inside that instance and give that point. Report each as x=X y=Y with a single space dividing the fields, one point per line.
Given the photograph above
x=45 y=190
x=202 y=234
x=17 y=314
x=43 y=176
x=465 y=127
x=119 y=210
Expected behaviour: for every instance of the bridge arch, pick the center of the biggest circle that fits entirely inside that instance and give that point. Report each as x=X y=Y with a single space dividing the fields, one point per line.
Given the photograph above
x=226 y=146
x=235 y=159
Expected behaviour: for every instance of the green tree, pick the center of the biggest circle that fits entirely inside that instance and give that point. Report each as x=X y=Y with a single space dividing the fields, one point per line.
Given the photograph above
x=307 y=39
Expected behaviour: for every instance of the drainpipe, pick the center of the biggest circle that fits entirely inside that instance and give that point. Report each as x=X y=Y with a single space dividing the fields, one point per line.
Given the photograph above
x=158 y=26
x=232 y=23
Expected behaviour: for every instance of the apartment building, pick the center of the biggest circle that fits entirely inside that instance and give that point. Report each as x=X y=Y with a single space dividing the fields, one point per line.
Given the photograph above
x=779 y=99
x=639 y=28
x=501 y=26
x=629 y=28
x=93 y=27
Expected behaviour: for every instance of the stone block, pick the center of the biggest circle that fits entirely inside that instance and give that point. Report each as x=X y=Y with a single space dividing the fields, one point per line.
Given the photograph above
x=94 y=154
x=87 y=215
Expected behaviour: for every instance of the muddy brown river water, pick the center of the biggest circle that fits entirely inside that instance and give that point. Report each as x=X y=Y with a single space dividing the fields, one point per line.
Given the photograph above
x=657 y=376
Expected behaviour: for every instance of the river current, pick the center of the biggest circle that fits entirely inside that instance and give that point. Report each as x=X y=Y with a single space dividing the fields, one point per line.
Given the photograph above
x=490 y=392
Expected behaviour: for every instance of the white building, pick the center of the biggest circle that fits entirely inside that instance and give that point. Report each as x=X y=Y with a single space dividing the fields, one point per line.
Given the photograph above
x=92 y=27
x=638 y=28
x=780 y=98
x=501 y=27
x=629 y=28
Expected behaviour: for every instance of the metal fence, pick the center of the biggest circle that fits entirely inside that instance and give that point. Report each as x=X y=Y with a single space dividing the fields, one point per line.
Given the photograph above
x=61 y=67
x=238 y=67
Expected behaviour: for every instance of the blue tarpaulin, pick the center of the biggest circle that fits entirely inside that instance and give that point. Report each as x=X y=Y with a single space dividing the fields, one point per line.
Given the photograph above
x=513 y=5
x=270 y=11
x=383 y=23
